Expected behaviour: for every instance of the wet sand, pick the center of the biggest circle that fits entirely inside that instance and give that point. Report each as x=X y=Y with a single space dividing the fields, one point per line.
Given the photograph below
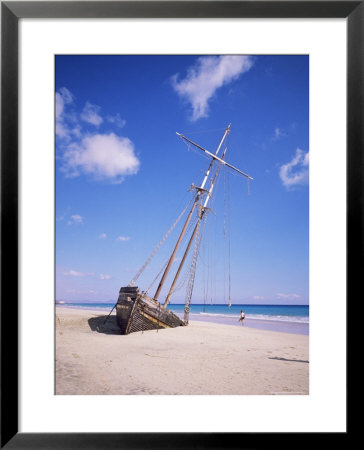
x=200 y=359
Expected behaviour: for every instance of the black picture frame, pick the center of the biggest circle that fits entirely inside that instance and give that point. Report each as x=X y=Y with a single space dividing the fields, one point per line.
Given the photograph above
x=11 y=12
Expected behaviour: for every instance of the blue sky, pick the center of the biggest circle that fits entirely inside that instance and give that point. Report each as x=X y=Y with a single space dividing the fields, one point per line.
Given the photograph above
x=123 y=175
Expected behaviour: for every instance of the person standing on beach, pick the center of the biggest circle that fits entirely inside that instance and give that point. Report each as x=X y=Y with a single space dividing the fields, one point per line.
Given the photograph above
x=242 y=317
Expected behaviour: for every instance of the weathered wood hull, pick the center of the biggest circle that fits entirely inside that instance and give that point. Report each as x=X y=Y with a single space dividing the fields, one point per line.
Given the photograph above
x=137 y=312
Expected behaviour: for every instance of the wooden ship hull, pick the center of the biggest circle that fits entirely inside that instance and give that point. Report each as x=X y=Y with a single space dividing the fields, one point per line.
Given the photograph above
x=138 y=312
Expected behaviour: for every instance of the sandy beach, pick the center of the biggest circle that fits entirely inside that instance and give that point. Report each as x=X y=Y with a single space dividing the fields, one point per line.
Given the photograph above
x=202 y=358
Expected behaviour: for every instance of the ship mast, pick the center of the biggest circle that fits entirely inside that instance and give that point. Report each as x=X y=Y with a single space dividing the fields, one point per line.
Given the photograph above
x=200 y=190
x=200 y=215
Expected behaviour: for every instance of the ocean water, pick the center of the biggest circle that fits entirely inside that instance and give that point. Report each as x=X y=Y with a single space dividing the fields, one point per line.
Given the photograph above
x=283 y=318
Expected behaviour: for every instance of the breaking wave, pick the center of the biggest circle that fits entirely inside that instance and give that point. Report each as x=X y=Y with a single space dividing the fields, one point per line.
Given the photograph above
x=277 y=318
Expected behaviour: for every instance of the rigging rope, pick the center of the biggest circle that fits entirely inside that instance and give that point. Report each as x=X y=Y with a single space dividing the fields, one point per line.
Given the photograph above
x=191 y=280
x=157 y=276
x=204 y=278
x=165 y=264
x=185 y=274
x=227 y=214
x=229 y=237
x=215 y=254
x=224 y=233
x=141 y=270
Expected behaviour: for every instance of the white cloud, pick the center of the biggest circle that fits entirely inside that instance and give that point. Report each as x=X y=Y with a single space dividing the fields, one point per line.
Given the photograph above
x=116 y=120
x=278 y=133
x=74 y=273
x=258 y=297
x=59 y=106
x=91 y=115
x=63 y=216
x=104 y=277
x=63 y=97
x=123 y=238
x=75 y=219
x=103 y=156
x=62 y=130
x=288 y=296
x=296 y=171
x=209 y=74
x=66 y=95
x=103 y=236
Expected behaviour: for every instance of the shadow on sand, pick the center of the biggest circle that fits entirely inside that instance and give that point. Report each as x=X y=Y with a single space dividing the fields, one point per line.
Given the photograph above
x=290 y=360
x=110 y=327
